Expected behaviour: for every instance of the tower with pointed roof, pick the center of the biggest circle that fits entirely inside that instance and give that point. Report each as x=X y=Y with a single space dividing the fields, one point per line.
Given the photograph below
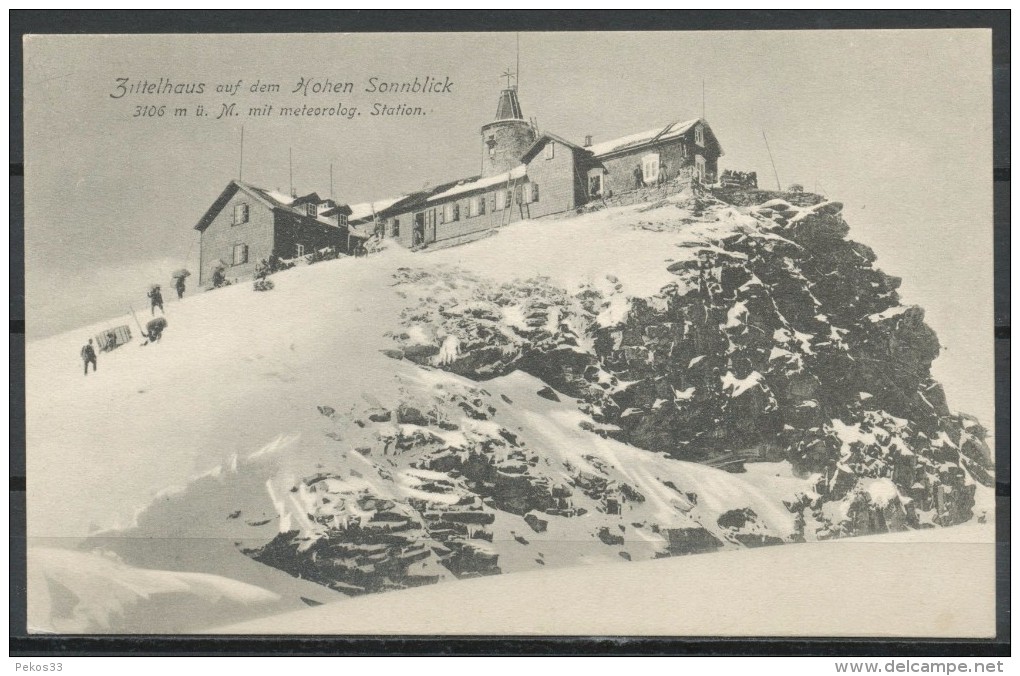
x=508 y=137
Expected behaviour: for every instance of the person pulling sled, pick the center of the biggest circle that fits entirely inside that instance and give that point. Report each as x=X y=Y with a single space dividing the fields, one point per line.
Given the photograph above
x=154 y=330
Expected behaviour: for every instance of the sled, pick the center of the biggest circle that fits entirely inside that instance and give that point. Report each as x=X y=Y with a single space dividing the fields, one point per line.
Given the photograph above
x=113 y=338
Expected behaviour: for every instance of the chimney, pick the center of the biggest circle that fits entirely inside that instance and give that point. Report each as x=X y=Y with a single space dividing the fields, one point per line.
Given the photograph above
x=587 y=141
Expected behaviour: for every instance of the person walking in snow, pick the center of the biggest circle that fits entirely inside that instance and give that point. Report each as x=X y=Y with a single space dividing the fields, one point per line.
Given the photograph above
x=179 y=285
x=639 y=180
x=157 y=300
x=88 y=355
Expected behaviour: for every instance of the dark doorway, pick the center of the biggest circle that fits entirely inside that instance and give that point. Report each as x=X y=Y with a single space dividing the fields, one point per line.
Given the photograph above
x=419 y=229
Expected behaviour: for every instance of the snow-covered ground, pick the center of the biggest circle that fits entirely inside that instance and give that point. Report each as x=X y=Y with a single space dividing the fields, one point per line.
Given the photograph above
x=172 y=457
x=923 y=583
x=236 y=369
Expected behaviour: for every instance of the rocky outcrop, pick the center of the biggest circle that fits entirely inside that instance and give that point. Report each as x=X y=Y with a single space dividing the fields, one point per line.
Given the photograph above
x=777 y=340
x=781 y=341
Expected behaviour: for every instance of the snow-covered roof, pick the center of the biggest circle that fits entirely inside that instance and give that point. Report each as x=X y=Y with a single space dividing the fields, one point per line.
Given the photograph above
x=366 y=209
x=277 y=200
x=671 y=130
x=467 y=186
x=285 y=200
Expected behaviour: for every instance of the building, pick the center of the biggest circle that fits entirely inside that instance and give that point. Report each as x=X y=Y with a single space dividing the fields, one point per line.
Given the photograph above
x=526 y=174
x=531 y=174
x=247 y=224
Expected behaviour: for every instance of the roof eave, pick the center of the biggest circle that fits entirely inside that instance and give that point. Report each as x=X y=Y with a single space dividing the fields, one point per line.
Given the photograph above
x=216 y=207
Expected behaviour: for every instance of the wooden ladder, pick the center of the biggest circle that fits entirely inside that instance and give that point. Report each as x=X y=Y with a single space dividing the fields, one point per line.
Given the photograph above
x=509 y=210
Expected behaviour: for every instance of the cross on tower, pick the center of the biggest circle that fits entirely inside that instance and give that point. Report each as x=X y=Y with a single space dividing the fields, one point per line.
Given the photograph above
x=508 y=74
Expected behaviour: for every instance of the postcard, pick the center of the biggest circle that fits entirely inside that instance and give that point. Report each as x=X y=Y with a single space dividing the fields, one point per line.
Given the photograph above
x=518 y=334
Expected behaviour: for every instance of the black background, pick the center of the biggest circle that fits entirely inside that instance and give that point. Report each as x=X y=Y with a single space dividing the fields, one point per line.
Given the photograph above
x=306 y=21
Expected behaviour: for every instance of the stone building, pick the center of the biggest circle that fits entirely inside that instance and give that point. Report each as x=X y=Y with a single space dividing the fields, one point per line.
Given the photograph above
x=247 y=224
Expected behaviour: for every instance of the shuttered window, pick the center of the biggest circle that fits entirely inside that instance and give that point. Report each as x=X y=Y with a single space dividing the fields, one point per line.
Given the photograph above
x=240 y=214
x=240 y=254
x=650 y=167
x=476 y=206
x=451 y=212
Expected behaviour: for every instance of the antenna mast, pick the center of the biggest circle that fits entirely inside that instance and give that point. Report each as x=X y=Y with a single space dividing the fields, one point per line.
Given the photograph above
x=331 y=181
x=290 y=161
x=518 y=75
x=240 y=168
x=702 y=98
x=778 y=186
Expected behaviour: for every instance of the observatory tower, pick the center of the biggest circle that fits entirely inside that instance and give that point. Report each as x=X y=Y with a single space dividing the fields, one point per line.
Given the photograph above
x=505 y=139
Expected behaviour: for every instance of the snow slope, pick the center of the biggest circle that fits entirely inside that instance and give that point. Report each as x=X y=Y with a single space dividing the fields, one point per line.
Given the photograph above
x=923 y=583
x=75 y=592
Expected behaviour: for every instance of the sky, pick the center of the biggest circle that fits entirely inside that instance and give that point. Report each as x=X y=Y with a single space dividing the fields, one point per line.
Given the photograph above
x=894 y=124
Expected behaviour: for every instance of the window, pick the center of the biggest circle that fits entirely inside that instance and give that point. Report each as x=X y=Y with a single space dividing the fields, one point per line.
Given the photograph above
x=650 y=167
x=492 y=145
x=509 y=199
x=550 y=150
x=595 y=182
x=311 y=210
x=497 y=201
x=341 y=219
x=699 y=135
x=396 y=227
x=240 y=254
x=240 y=214
x=699 y=167
x=456 y=212
x=451 y=212
x=476 y=206
x=300 y=250
x=530 y=192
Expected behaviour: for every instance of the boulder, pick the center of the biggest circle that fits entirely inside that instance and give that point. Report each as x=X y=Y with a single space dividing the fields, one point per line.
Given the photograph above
x=548 y=393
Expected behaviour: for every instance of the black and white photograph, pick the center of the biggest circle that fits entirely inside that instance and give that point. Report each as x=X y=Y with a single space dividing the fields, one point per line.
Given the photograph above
x=657 y=333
